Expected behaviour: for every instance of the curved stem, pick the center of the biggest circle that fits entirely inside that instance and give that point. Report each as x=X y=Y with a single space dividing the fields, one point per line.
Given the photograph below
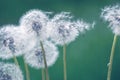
x=64 y=62
x=45 y=62
x=27 y=71
x=111 y=57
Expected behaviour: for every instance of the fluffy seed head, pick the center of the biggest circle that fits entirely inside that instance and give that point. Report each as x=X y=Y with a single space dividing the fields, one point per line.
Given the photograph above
x=35 y=57
x=61 y=29
x=13 y=41
x=111 y=14
x=34 y=22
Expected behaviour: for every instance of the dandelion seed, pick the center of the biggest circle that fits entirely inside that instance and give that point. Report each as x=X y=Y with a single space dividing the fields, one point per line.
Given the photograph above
x=111 y=14
x=62 y=16
x=34 y=22
x=10 y=72
x=13 y=41
x=108 y=64
x=35 y=57
x=83 y=26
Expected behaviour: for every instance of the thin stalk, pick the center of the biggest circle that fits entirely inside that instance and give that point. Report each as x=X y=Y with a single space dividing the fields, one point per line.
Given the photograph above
x=43 y=74
x=15 y=60
x=45 y=62
x=27 y=71
x=111 y=58
x=64 y=62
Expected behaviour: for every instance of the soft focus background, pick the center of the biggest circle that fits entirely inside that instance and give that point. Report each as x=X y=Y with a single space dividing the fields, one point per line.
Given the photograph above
x=88 y=55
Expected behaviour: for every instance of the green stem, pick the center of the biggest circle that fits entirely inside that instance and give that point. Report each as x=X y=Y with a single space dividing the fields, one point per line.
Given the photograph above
x=64 y=62
x=15 y=60
x=43 y=74
x=27 y=71
x=111 y=57
x=45 y=62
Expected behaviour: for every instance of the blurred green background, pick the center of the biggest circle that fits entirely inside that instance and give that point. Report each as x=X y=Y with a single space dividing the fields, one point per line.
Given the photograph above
x=88 y=55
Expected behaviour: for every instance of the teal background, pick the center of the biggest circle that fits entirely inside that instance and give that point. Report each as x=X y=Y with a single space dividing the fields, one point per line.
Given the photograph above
x=88 y=55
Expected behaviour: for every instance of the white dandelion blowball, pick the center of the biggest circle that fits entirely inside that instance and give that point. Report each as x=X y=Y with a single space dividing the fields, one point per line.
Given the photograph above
x=111 y=14
x=61 y=29
x=35 y=57
x=34 y=22
x=13 y=41
x=10 y=71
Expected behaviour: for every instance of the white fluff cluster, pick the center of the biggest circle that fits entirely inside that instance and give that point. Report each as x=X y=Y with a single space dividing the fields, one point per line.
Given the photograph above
x=63 y=30
x=34 y=22
x=112 y=15
x=83 y=26
x=10 y=71
x=13 y=41
x=62 y=16
x=35 y=57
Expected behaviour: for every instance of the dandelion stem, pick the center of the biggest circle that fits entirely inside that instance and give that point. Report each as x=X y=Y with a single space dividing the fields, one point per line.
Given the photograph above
x=111 y=57
x=27 y=71
x=43 y=74
x=64 y=62
x=15 y=60
x=45 y=62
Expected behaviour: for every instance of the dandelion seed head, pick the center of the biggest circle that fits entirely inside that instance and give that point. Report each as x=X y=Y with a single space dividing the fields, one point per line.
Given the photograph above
x=111 y=14
x=61 y=29
x=35 y=57
x=13 y=41
x=34 y=22
x=10 y=72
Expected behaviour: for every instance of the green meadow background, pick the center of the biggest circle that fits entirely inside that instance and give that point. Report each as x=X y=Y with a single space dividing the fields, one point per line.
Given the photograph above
x=88 y=55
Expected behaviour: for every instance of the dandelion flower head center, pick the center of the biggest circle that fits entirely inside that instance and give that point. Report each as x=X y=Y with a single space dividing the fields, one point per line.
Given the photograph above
x=36 y=27
x=63 y=31
x=39 y=55
x=117 y=18
x=9 y=42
